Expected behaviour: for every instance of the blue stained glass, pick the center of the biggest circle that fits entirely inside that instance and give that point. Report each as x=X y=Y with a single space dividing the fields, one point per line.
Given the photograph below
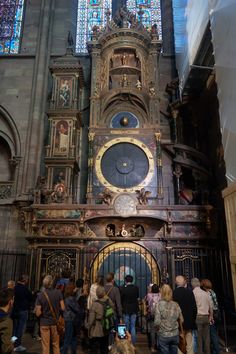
x=11 y=14
x=90 y=13
x=151 y=12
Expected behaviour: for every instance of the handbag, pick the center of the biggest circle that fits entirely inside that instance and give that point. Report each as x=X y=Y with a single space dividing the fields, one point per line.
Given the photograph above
x=60 y=323
x=182 y=340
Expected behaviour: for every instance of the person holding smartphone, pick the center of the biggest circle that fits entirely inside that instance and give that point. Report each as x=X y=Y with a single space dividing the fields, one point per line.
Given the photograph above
x=6 y=323
x=123 y=342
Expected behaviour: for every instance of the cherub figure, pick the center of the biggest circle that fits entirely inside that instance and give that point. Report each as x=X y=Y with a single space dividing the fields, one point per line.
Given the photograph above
x=106 y=196
x=142 y=196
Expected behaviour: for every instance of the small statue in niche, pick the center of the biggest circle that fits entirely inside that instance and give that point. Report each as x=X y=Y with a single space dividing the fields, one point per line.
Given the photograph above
x=142 y=196
x=139 y=231
x=124 y=82
x=106 y=196
x=123 y=59
x=132 y=231
x=42 y=195
x=154 y=31
x=109 y=231
x=138 y=85
x=95 y=30
x=59 y=193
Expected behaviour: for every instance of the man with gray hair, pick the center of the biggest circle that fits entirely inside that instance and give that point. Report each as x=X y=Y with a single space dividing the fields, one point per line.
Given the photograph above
x=186 y=300
x=204 y=316
x=48 y=328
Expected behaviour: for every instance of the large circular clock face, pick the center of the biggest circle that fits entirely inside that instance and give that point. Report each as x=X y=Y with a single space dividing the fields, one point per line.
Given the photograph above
x=123 y=164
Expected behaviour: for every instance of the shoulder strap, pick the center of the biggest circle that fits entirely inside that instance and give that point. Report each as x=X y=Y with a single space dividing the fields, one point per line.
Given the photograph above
x=50 y=305
x=109 y=290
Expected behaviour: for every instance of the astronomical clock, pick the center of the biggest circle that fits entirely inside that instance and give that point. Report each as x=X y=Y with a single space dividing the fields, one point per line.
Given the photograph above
x=125 y=131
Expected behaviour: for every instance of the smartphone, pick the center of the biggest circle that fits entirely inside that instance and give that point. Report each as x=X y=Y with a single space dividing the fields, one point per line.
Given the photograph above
x=13 y=339
x=121 y=330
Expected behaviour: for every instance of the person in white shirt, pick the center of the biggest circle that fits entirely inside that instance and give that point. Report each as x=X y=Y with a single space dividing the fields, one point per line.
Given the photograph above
x=204 y=316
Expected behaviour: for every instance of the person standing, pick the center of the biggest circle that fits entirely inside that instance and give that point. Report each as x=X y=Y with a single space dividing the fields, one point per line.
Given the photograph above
x=152 y=298
x=204 y=316
x=6 y=325
x=186 y=300
x=214 y=339
x=167 y=317
x=96 y=333
x=23 y=299
x=70 y=315
x=93 y=288
x=129 y=300
x=48 y=327
x=114 y=294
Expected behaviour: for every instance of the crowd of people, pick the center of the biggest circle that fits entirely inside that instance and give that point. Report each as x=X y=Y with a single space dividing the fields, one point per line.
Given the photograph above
x=103 y=316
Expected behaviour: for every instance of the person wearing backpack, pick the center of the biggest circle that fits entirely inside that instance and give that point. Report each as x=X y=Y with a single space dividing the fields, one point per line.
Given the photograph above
x=100 y=322
x=152 y=299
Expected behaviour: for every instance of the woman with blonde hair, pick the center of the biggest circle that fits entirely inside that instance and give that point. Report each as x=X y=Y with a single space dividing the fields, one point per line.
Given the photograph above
x=167 y=317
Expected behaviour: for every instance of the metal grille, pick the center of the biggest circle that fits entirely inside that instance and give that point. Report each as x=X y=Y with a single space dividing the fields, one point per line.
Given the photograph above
x=13 y=264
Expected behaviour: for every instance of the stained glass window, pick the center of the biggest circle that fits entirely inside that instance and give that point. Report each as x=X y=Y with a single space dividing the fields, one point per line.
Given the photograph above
x=11 y=14
x=90 y=13
x=151 y=12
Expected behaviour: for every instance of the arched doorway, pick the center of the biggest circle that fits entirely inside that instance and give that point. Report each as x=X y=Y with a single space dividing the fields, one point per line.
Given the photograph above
x=125 y=258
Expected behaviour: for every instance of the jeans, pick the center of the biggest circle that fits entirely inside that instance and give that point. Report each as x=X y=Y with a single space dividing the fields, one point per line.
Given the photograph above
x=19 y=324
x=152 y=333
x=215 y=348
x=168 y=345
x=130 y=321
x=194 y=341
x=70 y=340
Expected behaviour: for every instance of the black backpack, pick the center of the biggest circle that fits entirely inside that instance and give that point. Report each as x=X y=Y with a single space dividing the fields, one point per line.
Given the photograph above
x=108 y=316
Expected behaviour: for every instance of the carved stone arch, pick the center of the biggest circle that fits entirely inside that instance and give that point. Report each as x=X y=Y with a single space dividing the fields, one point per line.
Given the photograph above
x=10 y=149
x=9 y=132
x=130 y=102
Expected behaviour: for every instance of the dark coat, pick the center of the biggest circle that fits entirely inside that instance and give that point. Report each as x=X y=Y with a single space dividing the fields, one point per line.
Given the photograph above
x=129 y=299
x=186 y=300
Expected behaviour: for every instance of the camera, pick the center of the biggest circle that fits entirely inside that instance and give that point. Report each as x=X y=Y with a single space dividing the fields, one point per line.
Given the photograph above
x=121 y=330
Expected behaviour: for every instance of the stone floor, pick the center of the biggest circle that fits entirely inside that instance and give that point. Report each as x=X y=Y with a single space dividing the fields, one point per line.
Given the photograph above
x=34 y=347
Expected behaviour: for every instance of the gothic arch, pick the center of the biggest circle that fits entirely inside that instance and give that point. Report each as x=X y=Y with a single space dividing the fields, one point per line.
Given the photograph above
x=132 y=103
x=9 y=132
x=134 y=250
